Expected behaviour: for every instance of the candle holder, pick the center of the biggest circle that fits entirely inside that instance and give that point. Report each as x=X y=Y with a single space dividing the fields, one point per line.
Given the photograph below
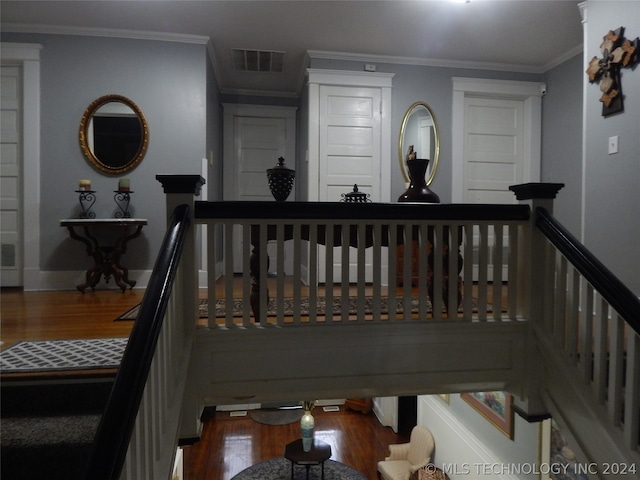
x=122 y=199
x=87 y=199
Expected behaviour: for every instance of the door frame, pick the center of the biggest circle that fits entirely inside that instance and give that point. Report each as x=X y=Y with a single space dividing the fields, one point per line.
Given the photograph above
x=27 y=55
x=530 y=93
x=345 y=78
x=232 y=110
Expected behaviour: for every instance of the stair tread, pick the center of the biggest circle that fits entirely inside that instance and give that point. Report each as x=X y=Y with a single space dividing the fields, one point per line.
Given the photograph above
x=49 y=430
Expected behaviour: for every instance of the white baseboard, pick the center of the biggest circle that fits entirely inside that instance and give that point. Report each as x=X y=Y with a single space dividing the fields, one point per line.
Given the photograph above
x=69 y=279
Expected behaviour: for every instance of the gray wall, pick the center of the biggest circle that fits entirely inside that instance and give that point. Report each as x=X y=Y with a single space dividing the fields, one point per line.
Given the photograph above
x=166 y=80
x=432 y=85
x=612 y=182
x=562 y=140
x=214 y=136
x=174 y=84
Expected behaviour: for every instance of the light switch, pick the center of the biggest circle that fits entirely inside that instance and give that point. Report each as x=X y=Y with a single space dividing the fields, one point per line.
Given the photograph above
x=613 y=145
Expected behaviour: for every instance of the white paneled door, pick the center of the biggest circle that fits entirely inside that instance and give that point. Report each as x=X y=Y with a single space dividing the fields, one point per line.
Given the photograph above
x=494 y=160
x=494 y=153
x=11 y=177
x=255 y=137
x=496 y=144
x=349 y=141
x=350 y=154
x=259 y=142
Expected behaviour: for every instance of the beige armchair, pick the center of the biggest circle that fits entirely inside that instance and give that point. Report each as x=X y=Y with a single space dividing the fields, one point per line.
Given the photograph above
x=406 y=459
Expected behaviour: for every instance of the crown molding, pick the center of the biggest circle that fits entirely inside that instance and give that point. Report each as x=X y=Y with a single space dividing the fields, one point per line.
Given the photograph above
x=350 y=77
x=563 y=58
x=257 y=93
x=104 y=32
x=433 y=62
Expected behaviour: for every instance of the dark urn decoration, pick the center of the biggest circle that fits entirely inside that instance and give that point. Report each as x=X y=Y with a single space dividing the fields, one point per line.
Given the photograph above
x=418 y=190
x=280 y=180
x=356 y=196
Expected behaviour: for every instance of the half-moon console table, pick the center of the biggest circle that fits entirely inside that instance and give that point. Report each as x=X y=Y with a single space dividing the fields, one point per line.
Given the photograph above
x=106 y=240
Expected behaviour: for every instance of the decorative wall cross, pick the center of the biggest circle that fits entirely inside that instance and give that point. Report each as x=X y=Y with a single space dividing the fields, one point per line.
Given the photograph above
x=617 y=52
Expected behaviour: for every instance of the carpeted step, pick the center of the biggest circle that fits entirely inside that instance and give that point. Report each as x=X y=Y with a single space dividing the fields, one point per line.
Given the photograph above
x=47 y=429
x=47 y=447
x=47 y=398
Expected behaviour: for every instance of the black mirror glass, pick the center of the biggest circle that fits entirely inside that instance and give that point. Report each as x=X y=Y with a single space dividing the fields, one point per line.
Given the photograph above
x=113 y=134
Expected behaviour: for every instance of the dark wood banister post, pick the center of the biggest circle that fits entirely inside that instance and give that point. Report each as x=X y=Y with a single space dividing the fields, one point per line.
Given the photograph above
x=180 y=190
x=532 y=266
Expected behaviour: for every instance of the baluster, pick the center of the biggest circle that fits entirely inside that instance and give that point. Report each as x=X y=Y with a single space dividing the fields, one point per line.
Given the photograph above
x=392 y=278
x=264 y=275
x=228 y=274
x=247 y=312
x=483 y=265
x=632 y=392
x=377 y=271
x=467 y=297
x=512 y=286
x=454 y=286
x=573 y=318
x=313 y=272
x=425 y=269
x=601 y=333
x=329 y=272
x=497 y=271
x=407 y=268
x=616 y=370
x=280 y=274
x=437 y=254
x=297 y=276
x=560 y=302
x=213 y=248
x=586 y=332
x=362 y=277
x=344 y=271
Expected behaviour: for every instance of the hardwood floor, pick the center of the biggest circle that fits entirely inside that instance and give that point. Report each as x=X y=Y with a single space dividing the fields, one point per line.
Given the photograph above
x=230 y=444
x=55 y=315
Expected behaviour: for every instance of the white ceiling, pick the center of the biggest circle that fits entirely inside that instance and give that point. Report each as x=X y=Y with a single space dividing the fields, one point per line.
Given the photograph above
x=517 y=35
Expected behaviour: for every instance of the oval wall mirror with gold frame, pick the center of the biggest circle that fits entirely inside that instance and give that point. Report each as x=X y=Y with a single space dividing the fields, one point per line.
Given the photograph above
x=114 y=134
x=420 y=129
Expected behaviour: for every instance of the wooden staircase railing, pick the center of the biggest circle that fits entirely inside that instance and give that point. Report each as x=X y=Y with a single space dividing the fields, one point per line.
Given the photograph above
x=541 y=282
x=593 y=319
x=137 y=434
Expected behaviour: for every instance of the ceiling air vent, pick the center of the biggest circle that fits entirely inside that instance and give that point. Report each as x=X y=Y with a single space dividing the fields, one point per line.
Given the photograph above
x=257 y=61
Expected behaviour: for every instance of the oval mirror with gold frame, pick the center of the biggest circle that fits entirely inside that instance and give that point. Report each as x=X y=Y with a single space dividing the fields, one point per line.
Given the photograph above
x=114 y=134
x=420 y=129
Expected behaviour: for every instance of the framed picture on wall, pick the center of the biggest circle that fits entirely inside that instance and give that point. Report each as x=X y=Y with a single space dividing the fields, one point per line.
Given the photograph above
x=495 y=407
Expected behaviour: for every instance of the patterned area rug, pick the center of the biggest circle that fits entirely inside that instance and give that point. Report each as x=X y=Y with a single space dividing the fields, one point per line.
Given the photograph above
x=288 y=307
x=280 y=469
x=44 y=356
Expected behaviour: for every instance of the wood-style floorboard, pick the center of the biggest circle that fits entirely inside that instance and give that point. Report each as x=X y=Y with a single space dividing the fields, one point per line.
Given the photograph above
x=228 y=444
x=64 y=315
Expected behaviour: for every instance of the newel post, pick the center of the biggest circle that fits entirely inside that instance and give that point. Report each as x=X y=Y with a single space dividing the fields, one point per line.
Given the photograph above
x=534 y=261
x=183 y=190
x=535 y=290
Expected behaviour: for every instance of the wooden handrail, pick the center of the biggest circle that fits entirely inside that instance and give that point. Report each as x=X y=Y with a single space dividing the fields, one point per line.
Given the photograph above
x=116 y=426
x=363 y=211
x=616 y=293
